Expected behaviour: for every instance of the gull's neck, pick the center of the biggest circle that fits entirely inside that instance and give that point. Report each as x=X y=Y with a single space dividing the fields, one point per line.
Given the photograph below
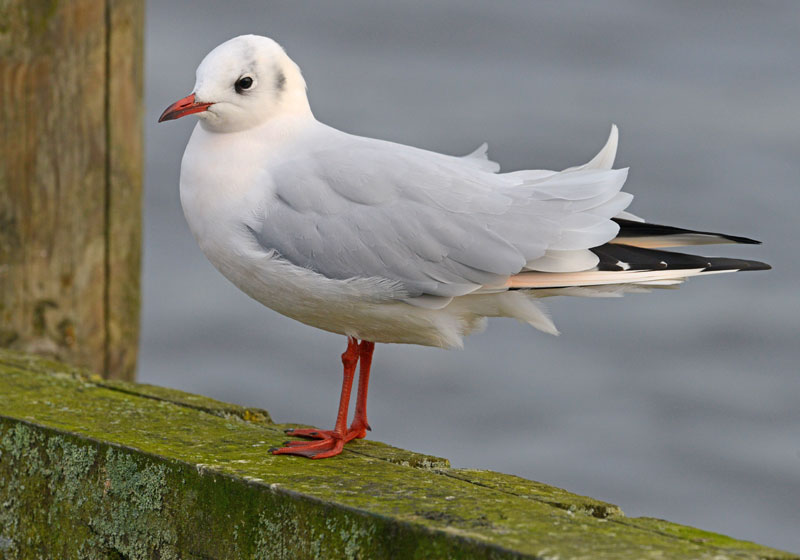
x=293 y=109
x=266 y=140
x=295 y=103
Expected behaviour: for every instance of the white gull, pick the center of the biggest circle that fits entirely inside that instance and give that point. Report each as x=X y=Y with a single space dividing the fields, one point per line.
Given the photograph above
x=383 y=242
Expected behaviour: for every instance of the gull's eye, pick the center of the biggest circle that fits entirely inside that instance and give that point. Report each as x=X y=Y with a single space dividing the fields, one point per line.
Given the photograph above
x=243 y=84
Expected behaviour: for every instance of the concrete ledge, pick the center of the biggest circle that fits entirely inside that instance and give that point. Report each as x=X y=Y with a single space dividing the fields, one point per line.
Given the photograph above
x=98 y=469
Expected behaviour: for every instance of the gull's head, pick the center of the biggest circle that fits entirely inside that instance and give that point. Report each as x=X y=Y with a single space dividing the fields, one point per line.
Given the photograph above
x=241 y=84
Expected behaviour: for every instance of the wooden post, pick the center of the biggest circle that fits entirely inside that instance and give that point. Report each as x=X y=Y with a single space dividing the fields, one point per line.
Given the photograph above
x=71 y=180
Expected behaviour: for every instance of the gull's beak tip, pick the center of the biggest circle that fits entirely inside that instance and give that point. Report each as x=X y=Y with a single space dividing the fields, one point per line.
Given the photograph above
x=183 y=107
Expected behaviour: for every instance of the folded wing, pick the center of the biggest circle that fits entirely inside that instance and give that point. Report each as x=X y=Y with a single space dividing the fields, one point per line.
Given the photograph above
x=440 y=226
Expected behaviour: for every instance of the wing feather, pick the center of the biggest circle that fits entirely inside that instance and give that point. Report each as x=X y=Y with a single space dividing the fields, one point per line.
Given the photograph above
x=441 y=226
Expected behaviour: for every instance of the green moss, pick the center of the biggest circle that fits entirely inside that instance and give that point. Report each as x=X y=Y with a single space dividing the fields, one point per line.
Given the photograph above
x=20 y=482
x=132 y=524
x=537 y=491
x=695 y=535
x=93 y=469
x=17 y=441
x=17 y=361
x=74 y=463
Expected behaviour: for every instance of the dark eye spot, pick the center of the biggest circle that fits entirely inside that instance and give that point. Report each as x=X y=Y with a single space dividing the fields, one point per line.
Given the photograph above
x=243 y=84
x=280 y=81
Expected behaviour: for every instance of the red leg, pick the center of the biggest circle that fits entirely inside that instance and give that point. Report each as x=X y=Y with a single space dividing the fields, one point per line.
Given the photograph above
x=360 y=424
x=330 y=442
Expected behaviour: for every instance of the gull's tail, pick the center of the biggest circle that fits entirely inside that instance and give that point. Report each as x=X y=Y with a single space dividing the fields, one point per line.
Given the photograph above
x=633 y=260
x=630 y=262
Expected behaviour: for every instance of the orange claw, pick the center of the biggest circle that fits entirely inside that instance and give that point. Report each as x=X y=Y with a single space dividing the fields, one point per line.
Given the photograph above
x=328 y=443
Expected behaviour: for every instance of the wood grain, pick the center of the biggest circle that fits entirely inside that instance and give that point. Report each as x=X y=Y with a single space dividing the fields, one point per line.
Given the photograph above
x=70 y=180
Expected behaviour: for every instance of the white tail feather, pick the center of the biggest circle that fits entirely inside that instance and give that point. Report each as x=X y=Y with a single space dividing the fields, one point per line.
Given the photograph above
x=480 y=159
x=564 y=261
x=596 y=277
x=654 y=278
x=678 y=240
x=605 y=157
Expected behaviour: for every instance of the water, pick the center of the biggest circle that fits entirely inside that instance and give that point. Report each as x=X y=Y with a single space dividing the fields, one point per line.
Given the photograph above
x=680 y=404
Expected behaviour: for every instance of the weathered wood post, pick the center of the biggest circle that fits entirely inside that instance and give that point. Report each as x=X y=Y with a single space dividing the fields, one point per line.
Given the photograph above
x=71 y=180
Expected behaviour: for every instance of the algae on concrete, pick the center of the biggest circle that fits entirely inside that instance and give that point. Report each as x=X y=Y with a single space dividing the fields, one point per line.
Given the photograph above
x=92 y=469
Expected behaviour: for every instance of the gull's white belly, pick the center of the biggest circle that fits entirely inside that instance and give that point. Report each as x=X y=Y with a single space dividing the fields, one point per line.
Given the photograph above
x=352 y=308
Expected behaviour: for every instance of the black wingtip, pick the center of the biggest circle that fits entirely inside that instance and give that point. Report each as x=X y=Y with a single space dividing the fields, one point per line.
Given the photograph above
x=630 y=228
x=739 y=239
x=756 y=265
x=626 y=257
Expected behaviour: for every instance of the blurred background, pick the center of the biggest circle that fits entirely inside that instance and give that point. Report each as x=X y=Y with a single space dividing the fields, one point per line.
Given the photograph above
x=682 y=405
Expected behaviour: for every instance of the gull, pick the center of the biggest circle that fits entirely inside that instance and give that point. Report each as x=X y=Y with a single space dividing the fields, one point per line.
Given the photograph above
x=383 y=242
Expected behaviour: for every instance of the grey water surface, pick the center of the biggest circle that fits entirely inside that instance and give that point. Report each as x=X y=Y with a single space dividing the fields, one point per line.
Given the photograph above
x=680 y=404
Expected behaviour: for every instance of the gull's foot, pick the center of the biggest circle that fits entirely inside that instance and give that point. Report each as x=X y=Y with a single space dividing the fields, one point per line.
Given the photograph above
x=325 y=446
x=313 y=433
x=356 y=431
x=326 y=443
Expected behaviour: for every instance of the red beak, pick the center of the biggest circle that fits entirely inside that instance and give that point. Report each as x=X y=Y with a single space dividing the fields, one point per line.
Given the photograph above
x=183 y=107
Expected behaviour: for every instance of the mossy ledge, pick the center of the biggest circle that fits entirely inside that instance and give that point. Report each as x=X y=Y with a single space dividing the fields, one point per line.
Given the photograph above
x=96 y=469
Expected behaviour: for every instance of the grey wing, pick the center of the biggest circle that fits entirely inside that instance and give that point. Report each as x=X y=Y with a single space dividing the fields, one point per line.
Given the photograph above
x=436 y=227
